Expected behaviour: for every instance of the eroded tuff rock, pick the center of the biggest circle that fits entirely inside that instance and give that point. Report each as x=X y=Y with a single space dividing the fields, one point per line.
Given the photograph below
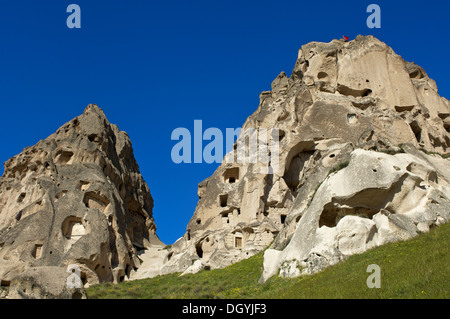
x=377 y=198
x=76 y=197
x=341 y=98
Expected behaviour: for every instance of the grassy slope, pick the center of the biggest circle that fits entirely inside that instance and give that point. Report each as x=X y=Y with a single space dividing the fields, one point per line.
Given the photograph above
x=417 y=268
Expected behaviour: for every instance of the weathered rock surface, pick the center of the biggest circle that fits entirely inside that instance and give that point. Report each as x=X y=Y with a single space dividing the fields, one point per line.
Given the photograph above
x=76 y=197
x=44 y=282
x=354 y=122
x=377 y=198
x=341 y=98
x=152 y=260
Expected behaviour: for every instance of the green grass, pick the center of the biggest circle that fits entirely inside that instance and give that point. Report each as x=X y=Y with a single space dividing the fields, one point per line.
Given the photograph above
x=218 y=283
x=417 y=268
x=445 y=156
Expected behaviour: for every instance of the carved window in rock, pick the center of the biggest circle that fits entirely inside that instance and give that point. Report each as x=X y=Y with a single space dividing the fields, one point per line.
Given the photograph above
x=72 y=229
x=223 y=200
x=231 y=175
x=97 y=201
x=64 y=157
x=37 y=251
x=225 y=218
x=238 y=242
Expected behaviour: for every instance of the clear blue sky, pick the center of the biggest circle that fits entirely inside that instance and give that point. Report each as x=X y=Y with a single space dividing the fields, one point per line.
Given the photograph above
x=154 y=66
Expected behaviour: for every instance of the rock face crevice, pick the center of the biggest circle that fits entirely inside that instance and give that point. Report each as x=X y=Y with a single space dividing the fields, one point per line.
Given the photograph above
x=342 y=98
x=76 y=197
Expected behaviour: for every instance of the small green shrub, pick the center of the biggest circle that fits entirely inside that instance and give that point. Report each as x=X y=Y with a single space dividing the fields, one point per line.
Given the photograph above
x=338 y=167
x=447 y=155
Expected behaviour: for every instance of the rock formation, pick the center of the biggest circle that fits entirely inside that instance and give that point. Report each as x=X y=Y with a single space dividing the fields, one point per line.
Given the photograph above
x=345 y=103
x=377 y=198
x=355 y=134
x=75 y=198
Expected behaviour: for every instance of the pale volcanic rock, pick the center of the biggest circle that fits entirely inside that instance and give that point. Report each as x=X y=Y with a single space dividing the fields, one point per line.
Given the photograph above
x=377 y=198
x=76 y=197
x=341 y=97
x=354 y=123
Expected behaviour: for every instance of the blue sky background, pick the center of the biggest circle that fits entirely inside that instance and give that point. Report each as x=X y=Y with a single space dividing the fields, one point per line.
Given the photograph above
x=153 y=66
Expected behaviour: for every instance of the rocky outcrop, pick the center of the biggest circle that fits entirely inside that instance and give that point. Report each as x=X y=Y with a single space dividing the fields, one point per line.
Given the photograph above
x=75 y=198
x=339 y=157
x=377 y=198
x=344 y=102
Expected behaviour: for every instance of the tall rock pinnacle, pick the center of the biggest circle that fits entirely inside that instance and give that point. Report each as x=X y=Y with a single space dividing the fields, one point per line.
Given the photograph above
x=75 y=198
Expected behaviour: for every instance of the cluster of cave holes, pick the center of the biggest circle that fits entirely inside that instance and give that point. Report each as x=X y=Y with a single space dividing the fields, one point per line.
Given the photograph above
x=226 y=215
x=281 y=216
